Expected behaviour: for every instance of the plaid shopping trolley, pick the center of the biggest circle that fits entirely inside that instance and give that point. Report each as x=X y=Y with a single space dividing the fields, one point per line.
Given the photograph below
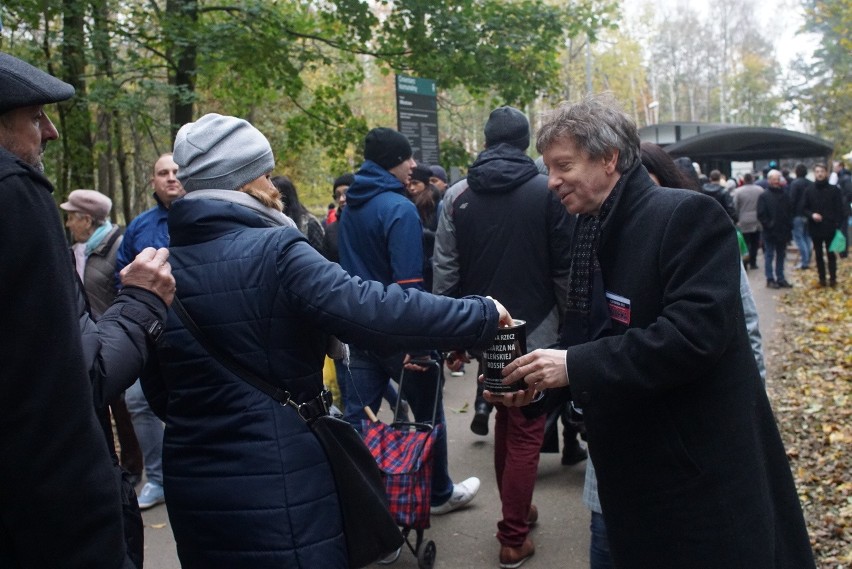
x=403 y=452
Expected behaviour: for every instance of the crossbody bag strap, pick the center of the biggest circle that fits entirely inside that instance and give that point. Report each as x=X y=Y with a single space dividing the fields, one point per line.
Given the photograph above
x=280 y=395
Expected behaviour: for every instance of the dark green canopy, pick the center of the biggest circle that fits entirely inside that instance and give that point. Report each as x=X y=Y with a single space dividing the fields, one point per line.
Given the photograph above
x=734 y=143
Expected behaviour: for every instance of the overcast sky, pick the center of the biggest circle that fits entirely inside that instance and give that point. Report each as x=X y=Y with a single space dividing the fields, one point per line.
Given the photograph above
x=778 y=21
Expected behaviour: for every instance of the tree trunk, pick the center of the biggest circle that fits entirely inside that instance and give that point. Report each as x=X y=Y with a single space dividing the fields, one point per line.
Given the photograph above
x=106 y=173
x=77 y=137
x=182 y=16
x=111 y=132
x=121 y=158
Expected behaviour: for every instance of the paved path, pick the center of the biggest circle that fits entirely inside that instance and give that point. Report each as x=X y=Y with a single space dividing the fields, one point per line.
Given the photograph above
x=465 y=539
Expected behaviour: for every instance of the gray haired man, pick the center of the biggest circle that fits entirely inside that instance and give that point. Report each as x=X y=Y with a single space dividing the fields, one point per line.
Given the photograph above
x=690 y=465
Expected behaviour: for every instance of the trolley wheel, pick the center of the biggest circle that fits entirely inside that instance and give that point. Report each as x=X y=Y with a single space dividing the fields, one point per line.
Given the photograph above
x=426 y=555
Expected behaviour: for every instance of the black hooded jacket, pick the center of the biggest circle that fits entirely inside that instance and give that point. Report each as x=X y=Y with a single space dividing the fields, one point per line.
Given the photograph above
x=512 y=236
x=721 y=195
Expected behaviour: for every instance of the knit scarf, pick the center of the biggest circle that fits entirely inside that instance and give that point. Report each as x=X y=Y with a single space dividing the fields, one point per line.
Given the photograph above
x=584 y=257
x=271 y=217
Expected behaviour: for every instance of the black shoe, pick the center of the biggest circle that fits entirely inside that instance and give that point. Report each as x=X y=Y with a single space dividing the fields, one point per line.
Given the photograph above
x=784 y=284
x=771 y=284
x=479 y=425
x=832 y=283
x=822 y=282
x=574 y=454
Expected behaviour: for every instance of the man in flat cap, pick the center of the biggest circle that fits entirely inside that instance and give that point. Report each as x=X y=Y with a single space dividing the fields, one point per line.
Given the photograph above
x=95 y=246
x=381 y=239
x=62 y=502
x=96 y=242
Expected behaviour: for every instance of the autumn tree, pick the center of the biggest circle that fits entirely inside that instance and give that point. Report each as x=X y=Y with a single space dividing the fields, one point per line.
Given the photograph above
x=823 y=91
x=144 y=68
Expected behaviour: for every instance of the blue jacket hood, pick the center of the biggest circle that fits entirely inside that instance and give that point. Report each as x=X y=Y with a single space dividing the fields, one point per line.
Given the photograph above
x=194 y=221
x=500 y=169
x=370 y=181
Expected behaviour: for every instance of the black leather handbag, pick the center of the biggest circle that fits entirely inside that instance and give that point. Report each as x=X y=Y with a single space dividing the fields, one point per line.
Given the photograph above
x=370 y=530
x=368 y=526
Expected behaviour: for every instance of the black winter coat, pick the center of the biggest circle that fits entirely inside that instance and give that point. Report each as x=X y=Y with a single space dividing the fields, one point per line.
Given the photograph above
x=826 y=200
x=775 y=213
x=721 y=195
x=690 y=465
x=798 y=187
x=60 y=496
x=247 y=483
x=504 y=234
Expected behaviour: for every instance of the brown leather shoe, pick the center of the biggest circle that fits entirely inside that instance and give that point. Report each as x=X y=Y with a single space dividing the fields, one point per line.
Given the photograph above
x=511 y=557
x=532 y=516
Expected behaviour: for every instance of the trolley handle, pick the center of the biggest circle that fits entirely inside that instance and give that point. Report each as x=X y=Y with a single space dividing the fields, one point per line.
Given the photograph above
x=433 y=365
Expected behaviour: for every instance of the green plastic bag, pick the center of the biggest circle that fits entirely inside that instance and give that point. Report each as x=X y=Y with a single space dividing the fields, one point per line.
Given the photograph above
x=838 y=244
x=743 y=246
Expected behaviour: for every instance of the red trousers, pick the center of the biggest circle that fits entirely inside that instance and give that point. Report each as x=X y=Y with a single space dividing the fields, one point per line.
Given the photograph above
x=517 y=442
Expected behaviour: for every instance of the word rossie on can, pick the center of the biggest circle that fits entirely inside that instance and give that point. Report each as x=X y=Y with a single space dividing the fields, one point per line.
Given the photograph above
x=508 y=344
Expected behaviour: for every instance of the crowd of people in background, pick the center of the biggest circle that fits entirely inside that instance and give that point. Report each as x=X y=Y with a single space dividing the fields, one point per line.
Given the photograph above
x=808 y=208
x=647 y=362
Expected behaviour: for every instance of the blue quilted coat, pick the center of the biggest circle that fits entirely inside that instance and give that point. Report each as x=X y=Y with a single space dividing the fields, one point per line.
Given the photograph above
x=247 y=484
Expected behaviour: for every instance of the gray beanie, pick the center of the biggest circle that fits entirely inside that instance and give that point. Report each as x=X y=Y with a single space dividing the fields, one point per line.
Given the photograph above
x=507 y=125
x=220 y=153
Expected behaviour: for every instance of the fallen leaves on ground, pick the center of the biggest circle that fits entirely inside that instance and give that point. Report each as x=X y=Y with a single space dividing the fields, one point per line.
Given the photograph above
x=811 y=389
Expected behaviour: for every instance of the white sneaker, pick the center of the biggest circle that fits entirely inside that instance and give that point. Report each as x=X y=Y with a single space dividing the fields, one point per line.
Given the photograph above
x=463 y=493
x=390 y=558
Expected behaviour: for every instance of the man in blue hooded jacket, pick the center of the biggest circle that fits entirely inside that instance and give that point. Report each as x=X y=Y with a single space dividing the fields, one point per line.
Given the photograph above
x=381 y=239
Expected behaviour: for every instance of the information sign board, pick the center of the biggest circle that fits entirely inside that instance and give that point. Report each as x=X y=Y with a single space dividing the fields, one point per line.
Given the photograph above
x=417 y=116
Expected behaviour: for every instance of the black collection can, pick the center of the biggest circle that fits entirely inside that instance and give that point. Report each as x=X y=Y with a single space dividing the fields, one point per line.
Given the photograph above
x=508 y=344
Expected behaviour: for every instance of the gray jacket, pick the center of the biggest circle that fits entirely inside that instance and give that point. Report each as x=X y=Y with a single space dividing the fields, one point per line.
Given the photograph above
x=745 y=202
x=99 y=275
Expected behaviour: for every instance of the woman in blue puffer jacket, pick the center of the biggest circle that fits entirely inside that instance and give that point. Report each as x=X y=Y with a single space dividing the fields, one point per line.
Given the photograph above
x=247 y=483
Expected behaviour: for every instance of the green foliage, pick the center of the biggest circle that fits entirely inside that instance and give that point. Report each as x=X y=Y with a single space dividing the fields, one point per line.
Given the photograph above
x=825 y=94
x=297 y=69
x=752 y=93
x=618 y=68
x=453 y=153
x=508 y=49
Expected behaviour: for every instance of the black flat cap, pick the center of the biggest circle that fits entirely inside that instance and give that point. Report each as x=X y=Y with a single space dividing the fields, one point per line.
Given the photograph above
x=22 y=85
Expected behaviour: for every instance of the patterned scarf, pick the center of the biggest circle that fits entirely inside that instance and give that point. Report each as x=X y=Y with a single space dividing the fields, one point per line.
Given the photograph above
x=584 y=257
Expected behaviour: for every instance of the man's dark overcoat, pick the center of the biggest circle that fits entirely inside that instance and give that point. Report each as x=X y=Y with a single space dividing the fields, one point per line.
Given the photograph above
x=691 y=469
x=61 y=499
